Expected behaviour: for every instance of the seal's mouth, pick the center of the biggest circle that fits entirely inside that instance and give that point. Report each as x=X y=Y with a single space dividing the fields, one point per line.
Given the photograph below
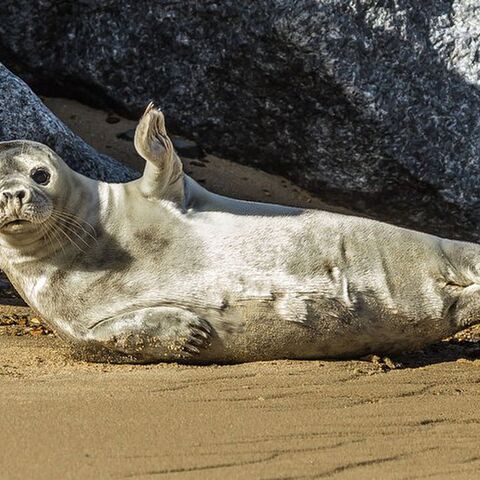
x=18 y=221
x=14 y=224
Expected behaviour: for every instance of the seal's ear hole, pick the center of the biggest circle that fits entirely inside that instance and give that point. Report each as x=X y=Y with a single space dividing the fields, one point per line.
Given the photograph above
x=40 y=175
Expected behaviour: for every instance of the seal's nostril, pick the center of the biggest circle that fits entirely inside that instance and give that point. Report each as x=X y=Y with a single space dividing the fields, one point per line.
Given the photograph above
x=20 y=194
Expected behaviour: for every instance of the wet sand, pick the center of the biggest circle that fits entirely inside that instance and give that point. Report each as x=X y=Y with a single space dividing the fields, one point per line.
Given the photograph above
x=410 y=417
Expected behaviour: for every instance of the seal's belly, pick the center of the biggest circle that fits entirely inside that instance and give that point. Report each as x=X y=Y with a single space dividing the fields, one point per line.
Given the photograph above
x=367 y=296
x=325 y=327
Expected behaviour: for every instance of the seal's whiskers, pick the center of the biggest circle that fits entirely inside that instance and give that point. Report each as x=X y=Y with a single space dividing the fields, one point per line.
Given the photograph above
x=62 y=226
x=74 y=221
x=46 y=235
x=52 y=234
x=71 y=230
x=70 y=239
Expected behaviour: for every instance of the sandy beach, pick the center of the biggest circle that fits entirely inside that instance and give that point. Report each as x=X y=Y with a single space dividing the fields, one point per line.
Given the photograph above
x=410 y=417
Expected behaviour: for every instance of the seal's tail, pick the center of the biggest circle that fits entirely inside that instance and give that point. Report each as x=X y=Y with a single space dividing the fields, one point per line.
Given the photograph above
x=462 y=281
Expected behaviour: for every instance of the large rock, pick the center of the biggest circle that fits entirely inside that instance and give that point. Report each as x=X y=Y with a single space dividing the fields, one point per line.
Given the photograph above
x=24 y=116
x=373 y=104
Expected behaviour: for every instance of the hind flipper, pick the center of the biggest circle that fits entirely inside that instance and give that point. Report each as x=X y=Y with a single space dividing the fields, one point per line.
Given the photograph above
x=163 y=175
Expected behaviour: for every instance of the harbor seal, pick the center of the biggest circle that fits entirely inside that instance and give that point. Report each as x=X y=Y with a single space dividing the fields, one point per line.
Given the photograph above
x=161 y=269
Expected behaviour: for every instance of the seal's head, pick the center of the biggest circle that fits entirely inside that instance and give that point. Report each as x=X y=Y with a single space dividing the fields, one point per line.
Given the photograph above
x=27 y=176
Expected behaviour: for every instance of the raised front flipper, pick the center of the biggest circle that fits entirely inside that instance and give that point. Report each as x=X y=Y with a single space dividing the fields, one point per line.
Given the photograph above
x=163 y=175
x=153 y=334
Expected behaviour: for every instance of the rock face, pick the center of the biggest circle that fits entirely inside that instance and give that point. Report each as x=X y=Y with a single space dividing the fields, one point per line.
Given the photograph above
x=372 y=104
x=24 y=116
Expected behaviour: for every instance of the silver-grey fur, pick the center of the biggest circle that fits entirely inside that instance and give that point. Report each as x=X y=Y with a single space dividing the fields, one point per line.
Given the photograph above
x=161 y=269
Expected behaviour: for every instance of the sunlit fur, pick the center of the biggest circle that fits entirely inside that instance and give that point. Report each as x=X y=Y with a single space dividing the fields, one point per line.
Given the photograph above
x=161 y=269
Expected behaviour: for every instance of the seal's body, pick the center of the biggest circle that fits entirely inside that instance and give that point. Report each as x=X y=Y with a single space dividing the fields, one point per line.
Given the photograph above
x=161 y=269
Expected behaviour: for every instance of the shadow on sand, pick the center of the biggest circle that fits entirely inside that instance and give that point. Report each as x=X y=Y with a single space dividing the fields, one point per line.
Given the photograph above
x=450 y=350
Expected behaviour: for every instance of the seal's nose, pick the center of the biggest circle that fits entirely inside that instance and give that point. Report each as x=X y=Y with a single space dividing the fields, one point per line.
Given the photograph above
x=19 y=194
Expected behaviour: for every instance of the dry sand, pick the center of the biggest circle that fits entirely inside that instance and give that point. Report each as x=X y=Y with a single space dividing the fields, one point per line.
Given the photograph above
x=63 y=418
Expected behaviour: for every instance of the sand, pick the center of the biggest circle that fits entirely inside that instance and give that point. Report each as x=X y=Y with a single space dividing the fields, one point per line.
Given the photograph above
x=415 y=416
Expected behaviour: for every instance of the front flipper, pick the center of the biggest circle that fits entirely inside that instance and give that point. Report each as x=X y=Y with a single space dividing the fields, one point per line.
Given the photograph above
x=152 y=334
x=163 y=175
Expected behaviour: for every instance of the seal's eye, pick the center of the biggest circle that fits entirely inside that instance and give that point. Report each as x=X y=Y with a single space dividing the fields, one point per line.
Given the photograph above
x=40 y=176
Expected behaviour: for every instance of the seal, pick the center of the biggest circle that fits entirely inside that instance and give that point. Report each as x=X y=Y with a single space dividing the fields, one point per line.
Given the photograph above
x=161 y=269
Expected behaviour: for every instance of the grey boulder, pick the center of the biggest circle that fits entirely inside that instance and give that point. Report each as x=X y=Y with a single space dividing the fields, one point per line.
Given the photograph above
x=372 y=104
x=24 y=116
